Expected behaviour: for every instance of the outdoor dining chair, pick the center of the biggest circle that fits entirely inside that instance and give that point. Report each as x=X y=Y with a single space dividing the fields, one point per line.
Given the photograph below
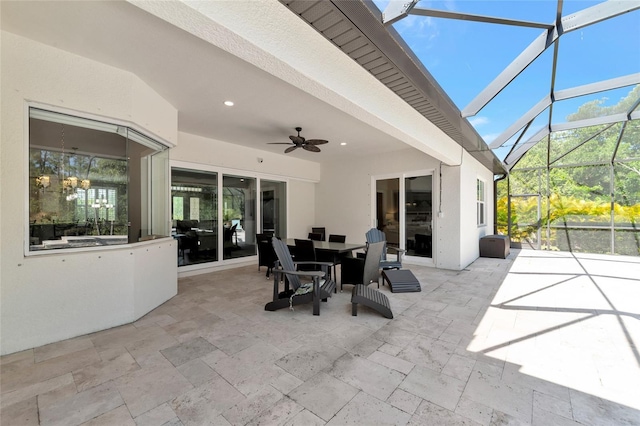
x=334 y=258
x=356 y=270
x=320 y=230
x=266 y=255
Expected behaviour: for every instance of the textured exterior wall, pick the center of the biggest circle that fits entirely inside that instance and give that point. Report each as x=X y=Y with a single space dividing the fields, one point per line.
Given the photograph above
x=201 y=150
x=344 y=203
x=471 y=233
x=46 y=298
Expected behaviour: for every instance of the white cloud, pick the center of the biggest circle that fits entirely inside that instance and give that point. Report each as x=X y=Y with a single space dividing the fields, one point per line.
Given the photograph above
x=478 y=121
x=490 y=137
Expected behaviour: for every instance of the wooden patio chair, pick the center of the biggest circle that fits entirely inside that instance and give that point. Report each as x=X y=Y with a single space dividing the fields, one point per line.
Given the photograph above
x=375 y=235
x=319 y=288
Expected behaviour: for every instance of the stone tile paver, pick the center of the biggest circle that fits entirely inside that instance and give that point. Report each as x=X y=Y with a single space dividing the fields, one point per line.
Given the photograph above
x=365 y=409
x=323 y=395
x=538 y=338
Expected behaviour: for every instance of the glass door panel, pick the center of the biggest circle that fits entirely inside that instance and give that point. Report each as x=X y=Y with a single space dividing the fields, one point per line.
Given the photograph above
x=194 y=202
x=239 y=216
x=387 y=209
x=274 y=208
x=418 y=215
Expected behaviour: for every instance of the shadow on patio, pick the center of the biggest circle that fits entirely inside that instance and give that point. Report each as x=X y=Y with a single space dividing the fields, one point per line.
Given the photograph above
x=567 y=326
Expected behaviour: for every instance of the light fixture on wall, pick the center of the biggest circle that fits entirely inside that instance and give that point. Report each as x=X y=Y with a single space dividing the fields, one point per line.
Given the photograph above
x=43 y=181
x=70 y=183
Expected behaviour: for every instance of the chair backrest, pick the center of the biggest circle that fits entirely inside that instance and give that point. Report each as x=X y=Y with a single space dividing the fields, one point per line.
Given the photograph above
x=372 y=263
x=315 y=236
x=318 y=230
x=266 y=255
x=375 y=235
x=183 y=226
x=305 y=251
x=285 y=259
x=263 y=237
x=228 y=233
x=333 y=238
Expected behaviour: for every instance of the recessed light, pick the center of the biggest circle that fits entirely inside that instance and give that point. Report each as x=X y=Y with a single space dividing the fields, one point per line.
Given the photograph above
x=343 y=143
x=228 y=103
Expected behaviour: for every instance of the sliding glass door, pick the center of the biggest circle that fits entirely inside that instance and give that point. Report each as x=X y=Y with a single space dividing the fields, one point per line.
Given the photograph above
x=418 y=203
x=239 y=216
x=194 y=196
x=387 y=209
x=273 y=207
x=404 y=212
x=216 y=215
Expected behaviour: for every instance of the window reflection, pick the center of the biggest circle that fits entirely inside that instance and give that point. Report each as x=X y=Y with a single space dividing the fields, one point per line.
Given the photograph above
x=195 y=215
x=90 y=183
x=418 y=209
x=239 y=216
x=274 y=214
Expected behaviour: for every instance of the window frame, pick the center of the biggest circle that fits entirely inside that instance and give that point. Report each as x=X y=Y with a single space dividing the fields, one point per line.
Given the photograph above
x=481 y=202
x=241 y=173
x=108 y=122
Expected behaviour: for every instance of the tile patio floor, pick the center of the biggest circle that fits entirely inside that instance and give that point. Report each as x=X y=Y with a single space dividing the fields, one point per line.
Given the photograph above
x=539 y=338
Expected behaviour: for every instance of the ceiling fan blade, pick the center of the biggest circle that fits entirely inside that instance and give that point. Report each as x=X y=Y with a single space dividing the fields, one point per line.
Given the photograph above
x=291 y=148
x=298 y=140
x=278 y=143
x=311 y=148
x=316 y=141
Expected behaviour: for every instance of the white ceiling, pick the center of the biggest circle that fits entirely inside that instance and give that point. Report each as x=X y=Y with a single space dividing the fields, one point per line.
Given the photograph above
x=196 y=78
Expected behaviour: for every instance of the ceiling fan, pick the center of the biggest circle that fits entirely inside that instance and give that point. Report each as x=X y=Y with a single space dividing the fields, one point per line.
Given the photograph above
x=300 y=142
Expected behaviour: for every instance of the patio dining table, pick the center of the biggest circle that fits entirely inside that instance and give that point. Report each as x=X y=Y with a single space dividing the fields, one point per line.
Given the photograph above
x=331 y=247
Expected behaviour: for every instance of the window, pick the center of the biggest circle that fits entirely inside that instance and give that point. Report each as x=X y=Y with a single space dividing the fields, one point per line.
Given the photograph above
x=195 y=215
x=215 y=215
x=480 y=197
x=177 y=208
x=93 y=183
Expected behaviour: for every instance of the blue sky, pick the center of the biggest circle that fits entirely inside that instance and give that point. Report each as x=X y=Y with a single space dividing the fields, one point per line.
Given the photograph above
x=465 y=56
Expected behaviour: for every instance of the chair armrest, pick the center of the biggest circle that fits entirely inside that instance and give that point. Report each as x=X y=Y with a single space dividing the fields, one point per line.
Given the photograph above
x=311 y=262
x=396 y=249
x=301 y=273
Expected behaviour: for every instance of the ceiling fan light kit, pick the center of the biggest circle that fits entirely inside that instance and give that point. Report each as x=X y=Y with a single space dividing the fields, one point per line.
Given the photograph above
x=300 y=142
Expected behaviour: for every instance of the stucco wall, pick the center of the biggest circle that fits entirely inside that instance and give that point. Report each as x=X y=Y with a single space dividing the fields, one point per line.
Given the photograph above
x=470 y=232
x=200 y=150
x=446 y=246
x=344 y=201
x=46 y=298
x=345 y=194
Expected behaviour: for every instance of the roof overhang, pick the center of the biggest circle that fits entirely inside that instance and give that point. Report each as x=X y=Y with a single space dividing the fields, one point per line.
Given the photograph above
x=356 y=28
